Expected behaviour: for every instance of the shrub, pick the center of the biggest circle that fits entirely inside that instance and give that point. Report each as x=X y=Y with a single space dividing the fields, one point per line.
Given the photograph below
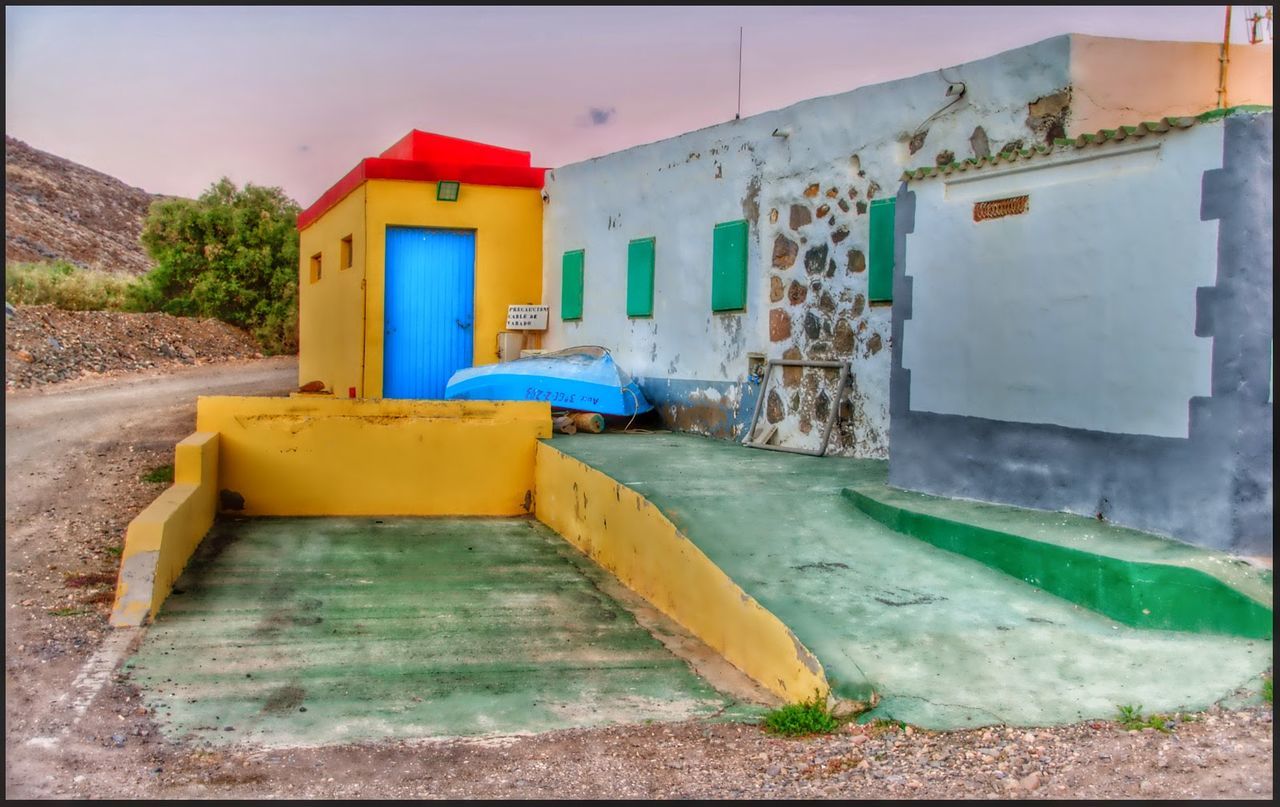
x=67 y=286
x=231 y=254
x=798 y=719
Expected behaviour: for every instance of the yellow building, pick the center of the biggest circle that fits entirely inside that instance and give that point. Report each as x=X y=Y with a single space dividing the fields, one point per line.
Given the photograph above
x=408 y=263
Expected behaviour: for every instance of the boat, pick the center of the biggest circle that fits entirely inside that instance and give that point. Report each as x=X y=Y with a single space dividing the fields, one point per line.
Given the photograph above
x=584 y=379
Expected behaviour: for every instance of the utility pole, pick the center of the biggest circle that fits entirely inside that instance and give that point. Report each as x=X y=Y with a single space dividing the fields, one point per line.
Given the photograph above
x=1224 y=59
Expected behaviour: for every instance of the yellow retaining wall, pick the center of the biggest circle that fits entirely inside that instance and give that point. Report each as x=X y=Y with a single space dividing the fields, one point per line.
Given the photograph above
x=631 y=538
x=162 y=538
x=331 y=310
x=508 y=227
x=307 y=456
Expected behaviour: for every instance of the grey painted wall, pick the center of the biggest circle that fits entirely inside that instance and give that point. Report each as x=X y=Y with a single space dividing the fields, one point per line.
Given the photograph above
x=1213 y=488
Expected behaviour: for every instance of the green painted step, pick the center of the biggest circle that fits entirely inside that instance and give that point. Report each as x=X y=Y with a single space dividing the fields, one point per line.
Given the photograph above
x=1135 y=578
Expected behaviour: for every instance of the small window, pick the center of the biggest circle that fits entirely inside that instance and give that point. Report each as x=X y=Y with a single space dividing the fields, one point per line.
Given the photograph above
x=344 y=254
x=640 y=277
x=447 y=191
x=571 y=282
x=880 y=276
x=729 y=266
x=315 y=268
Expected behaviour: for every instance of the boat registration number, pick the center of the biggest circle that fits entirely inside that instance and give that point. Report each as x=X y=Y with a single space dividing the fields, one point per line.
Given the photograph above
x=537 y=394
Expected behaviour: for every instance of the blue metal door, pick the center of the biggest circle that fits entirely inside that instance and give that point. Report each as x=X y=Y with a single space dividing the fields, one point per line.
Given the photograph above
x=430 y=287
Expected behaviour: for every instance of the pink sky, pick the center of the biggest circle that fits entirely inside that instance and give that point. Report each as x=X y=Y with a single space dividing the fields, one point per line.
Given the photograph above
x=170 y=99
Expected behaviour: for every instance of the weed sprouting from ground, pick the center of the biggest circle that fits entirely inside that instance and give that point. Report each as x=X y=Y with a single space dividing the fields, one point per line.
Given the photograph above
x=162 y=474
x=801 y=719
x=1131 y=718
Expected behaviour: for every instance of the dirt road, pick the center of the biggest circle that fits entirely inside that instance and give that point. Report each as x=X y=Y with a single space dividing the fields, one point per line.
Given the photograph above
x=75 y=454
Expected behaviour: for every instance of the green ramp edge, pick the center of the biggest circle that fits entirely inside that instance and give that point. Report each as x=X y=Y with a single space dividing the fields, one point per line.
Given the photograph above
x=1136 y=593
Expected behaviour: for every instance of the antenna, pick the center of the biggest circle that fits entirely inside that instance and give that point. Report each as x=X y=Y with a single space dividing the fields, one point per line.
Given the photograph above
x=738 y=116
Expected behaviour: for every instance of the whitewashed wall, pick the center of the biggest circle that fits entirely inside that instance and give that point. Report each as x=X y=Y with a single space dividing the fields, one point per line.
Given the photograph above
x=854 y=145
x=1080 y=312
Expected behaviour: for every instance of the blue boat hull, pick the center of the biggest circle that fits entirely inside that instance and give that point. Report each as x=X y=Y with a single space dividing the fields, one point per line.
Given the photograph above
x=584 y=382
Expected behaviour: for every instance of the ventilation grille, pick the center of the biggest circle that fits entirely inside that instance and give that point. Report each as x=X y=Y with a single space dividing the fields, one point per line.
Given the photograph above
x=999 y=208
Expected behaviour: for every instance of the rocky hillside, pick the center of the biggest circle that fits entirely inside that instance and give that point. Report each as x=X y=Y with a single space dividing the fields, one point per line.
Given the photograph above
x=45 y=345
x=55 y=209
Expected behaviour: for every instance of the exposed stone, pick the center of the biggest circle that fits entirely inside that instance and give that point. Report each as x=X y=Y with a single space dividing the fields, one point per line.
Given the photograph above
x=1047 y=115
x=796 y=293
x=815 y=286
x=840 y=235
x=773 y=407
x=812 y=190
x=1011 y=146
x=859 y=303
x=844 y=339
x=800 y=216
x=872 y=190
x=795 y=399
x=843 y=205
x=979 y=143
x=856 y=262
x=822 y=407
x=831 y=267
x=819 y=350
x=812 y=325
x=806 y=424
x=791 y=375
x=779 y=325
x=773 y=216
x=873 y=344
x=917 y=141
x=784 y=252
x=945 y=157
x=775 y=288
x=833 y=193
x=815 y=259
x=861 y=207
x=822 y=210
x=827 y=303
x=853 y=193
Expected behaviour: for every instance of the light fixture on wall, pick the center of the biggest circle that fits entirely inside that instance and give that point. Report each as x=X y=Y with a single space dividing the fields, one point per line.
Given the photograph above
x=447 y=191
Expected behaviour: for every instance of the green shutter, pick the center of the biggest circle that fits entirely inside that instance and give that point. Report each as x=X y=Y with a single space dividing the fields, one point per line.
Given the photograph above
x=880 y=282
x=640 y=278
x=729 y=267
x=571 y=285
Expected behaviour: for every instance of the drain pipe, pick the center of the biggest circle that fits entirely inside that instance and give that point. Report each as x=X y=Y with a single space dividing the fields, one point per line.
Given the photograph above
x=1223 y=60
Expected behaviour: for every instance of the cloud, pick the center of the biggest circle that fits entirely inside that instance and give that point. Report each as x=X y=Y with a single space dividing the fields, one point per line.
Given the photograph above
x=599 y=116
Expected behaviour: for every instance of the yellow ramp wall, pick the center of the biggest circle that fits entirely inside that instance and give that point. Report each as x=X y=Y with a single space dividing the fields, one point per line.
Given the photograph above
x=335 y=457
x=162 y=538
x=631 y=538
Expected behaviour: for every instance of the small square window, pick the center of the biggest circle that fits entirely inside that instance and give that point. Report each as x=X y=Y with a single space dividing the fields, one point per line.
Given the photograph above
x=447 y=191
x=315 y=268
x=344 y=253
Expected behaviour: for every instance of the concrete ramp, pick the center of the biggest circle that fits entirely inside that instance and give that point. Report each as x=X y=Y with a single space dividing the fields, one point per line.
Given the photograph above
x=943 y=640
x=310 y=631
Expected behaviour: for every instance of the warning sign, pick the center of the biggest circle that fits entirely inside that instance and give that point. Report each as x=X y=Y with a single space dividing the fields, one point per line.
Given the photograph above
x=527 y=317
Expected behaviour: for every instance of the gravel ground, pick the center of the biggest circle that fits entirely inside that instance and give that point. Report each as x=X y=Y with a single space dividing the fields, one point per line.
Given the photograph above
x=45 y=345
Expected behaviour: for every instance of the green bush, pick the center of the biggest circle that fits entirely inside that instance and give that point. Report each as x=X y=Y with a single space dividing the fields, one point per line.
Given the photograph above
x=231 y=254
x=67 y=286
x=798 y=719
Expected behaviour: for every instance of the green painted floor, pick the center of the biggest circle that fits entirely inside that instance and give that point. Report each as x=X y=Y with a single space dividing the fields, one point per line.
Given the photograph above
x=316 y=631
x=945 y=641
